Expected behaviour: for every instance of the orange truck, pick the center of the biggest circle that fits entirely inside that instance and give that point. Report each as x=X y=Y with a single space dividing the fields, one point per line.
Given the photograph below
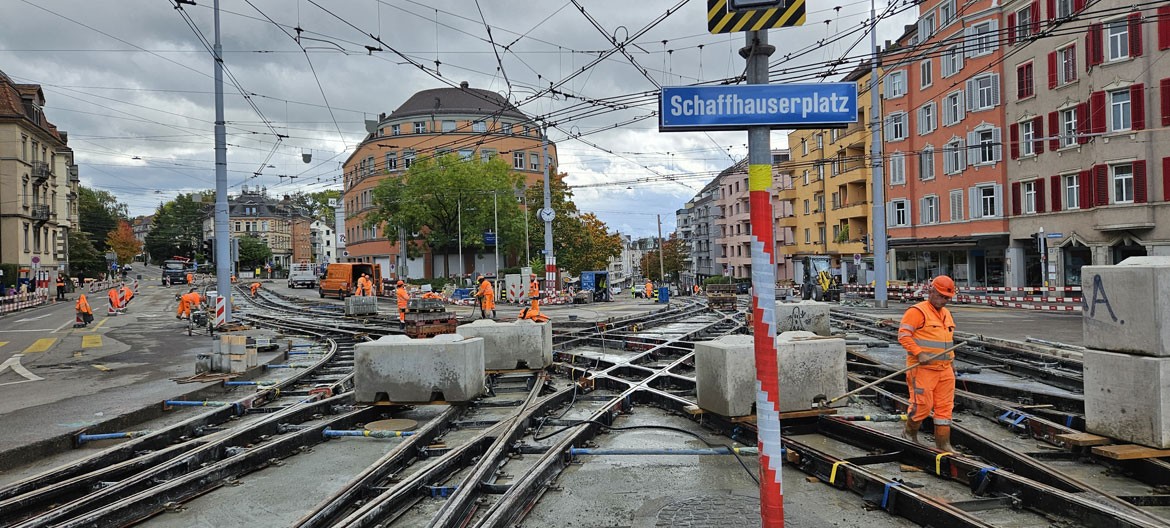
x=340 y=280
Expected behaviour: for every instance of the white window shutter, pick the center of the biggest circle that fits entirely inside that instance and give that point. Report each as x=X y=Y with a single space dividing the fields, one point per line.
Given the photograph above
x=947 y=166
x=995 y=89
x=887 y=86
x=909 y=210
x=997 y=150
x=976 y=209
x=921 y=211
x=971 y=94
x=999 y=200
x=890 y=218
x=972 y=151
x=961 y=62
x=994 y=31
x=968 y=42
x=962 y=111
x=962 y=160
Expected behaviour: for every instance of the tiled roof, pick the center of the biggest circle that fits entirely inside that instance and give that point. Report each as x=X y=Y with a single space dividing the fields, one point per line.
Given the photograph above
x=462 y=100
x=12 y=103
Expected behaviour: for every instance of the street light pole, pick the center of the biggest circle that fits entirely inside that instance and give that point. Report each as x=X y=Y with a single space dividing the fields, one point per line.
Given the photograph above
x=496 y=214
x=459 y=230
x=223 y=283
x=550 y=260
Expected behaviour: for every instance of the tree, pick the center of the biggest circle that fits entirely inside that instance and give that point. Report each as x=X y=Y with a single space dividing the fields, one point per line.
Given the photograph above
x=84 y=259
x=317 y=203
x=436 y=195
x=672 y=263
x=123 y=243
x=98 y=214
x=178 y=226
x=254 y=252
x=592 y=245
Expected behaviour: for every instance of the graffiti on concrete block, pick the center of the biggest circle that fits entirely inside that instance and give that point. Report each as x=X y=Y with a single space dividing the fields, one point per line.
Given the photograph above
x=1098 y=296
x=798 y=320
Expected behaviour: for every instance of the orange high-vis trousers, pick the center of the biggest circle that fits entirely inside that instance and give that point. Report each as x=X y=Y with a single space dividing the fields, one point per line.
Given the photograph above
x=931 y=391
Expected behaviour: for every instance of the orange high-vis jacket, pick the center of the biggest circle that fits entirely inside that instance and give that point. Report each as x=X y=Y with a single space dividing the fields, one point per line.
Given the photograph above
x=534 y=290
x=82 y=305
x=403 y=297
x=925 y=329
x=487 y=295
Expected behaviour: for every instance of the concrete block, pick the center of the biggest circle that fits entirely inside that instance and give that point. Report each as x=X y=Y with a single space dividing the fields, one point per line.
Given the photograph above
x=725 y=372
x=367 y=305
x=1128 y=397
x=399 y=369
x=809 y=368
x=809 y=316
x=237 y=363
x=1126 y=308
x=518 y=344
x=725 y=375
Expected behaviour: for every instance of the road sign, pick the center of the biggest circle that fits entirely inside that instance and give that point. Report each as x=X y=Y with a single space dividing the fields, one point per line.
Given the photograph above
x=1055 y=235
x=857 y=259
x=721 y=19
x=804 y=105
x=489 y=238
x=36 y=260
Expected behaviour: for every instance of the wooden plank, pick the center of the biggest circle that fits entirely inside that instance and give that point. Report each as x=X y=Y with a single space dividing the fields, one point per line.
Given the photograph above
x=1129 y=452
x=1083 y=439
x=806 y=413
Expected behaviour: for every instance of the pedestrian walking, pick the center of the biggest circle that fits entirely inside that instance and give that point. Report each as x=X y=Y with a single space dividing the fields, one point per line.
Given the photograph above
x=927 y=333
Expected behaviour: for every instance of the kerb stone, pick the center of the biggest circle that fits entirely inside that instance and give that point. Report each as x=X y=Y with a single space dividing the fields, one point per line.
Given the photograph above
x=511 y=345
x=399 y=369
x=1128 y=397
x=1126 y=307
x=808 y=316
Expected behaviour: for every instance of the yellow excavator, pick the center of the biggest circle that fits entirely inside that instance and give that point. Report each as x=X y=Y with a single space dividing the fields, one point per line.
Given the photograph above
x=819 y=282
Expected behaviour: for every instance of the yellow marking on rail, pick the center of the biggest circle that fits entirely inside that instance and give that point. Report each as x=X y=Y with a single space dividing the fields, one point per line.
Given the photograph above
x=41 y=345
x=91 y=341
x=102 y=368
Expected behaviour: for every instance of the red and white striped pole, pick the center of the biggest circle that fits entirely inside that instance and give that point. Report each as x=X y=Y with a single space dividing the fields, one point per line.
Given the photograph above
x=763 y=251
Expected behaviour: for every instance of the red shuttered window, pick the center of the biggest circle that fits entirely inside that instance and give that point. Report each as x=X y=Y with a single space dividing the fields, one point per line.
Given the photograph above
x=1054 y=129
x=1166 y=179
x=1052 y=77
x=1011 y=32
x=1100 y=185
x=1097 y=112
x=1166 y=101
x=1038 y=132
x=1137 y=106
x=1084 y=179
x=1094 y=48
x=1025 y=85
x=1014 y=140
x=1040 y=195
x=1135 y=35
x=1164 y=27
x=1017 y=204
x=1055 y=188
x=1139 y=182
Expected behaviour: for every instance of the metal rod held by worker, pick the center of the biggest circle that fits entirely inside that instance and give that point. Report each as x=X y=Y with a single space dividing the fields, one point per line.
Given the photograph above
x=879 y=380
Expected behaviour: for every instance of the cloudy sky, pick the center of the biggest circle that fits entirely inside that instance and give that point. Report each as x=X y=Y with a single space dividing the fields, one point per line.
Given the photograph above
x=131 y=82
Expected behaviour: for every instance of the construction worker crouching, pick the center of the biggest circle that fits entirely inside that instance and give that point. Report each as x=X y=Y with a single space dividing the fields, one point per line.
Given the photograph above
x=254 y=287
x=533 y=312
x=927 y=333
x=403 y=298
x=84 y=312
x=187 y=301
x=487 y=297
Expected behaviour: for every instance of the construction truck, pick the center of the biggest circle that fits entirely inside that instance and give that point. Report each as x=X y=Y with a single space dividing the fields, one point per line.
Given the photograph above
x=818 y=282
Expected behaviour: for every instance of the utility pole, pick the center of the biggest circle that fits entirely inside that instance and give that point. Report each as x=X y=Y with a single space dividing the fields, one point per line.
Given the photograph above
x=547 y=214
x=459 y=233
x=496 y=214
x=223 y=269
x=763 y=250
x=880 y=296
x=661 y=268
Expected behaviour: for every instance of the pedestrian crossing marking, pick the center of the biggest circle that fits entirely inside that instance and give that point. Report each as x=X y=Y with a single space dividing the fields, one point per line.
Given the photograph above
x=91 y=341
x=41 y=345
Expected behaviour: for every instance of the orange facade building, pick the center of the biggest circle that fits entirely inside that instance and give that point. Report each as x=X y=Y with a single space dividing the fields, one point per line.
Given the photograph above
x=943 y=137
x=470 y=122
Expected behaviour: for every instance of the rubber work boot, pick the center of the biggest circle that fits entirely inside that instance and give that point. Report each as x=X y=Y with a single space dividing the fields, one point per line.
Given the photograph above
x=910 y=432
x=942 y=438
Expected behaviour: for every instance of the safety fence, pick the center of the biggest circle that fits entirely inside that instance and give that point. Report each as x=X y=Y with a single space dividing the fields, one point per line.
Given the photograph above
x=23 y=301
x=1040 y=298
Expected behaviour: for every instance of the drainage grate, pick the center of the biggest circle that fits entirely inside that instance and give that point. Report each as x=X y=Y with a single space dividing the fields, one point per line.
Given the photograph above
x=710 y=512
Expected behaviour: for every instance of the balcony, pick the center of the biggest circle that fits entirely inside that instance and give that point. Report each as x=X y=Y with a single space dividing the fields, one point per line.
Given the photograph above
x=73 y=175
x=40 y=172
x=786 y=221
x=852 y=209
x=40 y=213
x=1123 y=217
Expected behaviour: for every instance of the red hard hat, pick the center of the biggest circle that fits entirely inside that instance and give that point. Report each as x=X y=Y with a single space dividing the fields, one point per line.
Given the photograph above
x=944 y=285
x=400 y=283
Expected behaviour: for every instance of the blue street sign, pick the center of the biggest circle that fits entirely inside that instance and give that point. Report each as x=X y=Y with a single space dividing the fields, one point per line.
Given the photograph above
x=1055 y=235
x=489 y=238
x=805 y=105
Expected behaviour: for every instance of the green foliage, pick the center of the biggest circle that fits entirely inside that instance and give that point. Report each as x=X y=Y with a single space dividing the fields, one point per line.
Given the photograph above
x=592 y=245
x=843 y=235
x=673 y=253
x=437 y=195
x=84 y=258
x=123 y=243
x=99 y=213
x=317 y=203
x=717 y=280
x=254 y=252
x=178 y=227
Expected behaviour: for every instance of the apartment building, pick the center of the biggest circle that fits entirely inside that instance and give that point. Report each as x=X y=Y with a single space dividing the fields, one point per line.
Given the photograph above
x=1087 y=106
x=473 y=123
x=733 y=219
x=280 y=224
x=943 y=133
x=831 y=191
x=38 y=182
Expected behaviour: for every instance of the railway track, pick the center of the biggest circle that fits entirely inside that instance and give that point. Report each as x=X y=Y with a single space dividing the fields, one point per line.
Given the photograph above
x=492 y=462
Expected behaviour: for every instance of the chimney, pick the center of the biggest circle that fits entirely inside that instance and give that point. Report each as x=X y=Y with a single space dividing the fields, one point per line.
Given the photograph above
x=464 y=85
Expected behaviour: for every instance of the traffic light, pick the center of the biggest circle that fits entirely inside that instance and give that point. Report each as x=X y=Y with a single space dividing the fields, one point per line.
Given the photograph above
x=209 y=249
x=865 y=240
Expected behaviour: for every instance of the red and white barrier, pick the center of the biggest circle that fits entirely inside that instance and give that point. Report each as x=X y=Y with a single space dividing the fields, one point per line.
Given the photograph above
x=220 y=311
x=23 y=301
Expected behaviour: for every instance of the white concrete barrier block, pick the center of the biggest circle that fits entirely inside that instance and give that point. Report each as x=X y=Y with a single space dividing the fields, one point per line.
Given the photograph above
x=725 y=375
x=809 y=316
x=1126 y=308
x=399 y=369
x=1128 y=397
x=511 y=345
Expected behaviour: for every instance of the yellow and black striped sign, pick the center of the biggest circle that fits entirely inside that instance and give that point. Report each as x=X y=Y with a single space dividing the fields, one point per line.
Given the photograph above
x=720 y=20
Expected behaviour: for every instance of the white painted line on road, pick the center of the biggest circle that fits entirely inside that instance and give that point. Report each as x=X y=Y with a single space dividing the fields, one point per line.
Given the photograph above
x=27 y=319
x=63 y=325
x=50 y=330
x=14 y=363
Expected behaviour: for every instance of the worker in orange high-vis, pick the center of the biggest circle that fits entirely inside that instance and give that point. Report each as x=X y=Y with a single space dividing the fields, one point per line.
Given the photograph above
x=927 y=333
x=185 y=306
x=84 y=312
x=254 y=287
x=115 y=300
x=362 y=284
x=533 y=311
x=487 y=297
x=190 y=278
x=649 y=289
x=403 y=297
x=369 y=286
